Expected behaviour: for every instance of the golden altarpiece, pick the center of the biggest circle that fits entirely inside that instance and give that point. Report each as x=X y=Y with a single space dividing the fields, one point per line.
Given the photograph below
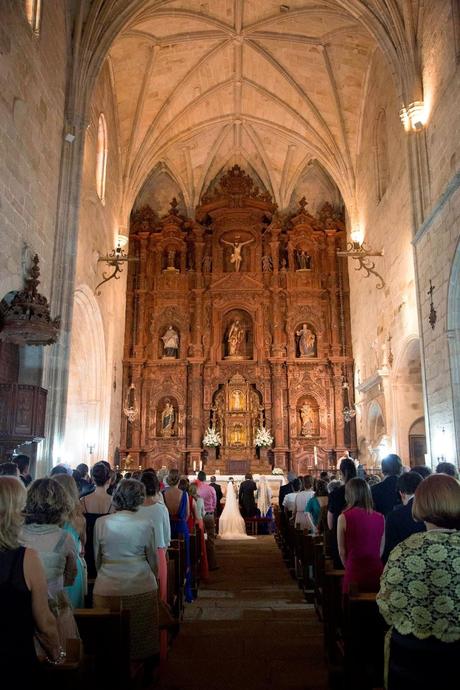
x=235 y=320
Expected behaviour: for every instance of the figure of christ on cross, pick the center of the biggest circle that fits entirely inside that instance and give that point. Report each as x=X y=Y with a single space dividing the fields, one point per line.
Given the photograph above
x=235 y=257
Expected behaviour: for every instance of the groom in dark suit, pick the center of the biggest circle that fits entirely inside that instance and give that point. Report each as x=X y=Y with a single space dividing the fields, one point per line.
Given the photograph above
x=246 y=497
x=219 y=495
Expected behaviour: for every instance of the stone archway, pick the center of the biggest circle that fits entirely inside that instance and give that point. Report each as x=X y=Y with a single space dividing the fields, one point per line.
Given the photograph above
x=86 y=434
x=453 y=334
x=408 y=396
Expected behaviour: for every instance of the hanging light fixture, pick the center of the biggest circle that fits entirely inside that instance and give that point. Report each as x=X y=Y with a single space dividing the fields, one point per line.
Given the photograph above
x=130 y=409
x=348 y=410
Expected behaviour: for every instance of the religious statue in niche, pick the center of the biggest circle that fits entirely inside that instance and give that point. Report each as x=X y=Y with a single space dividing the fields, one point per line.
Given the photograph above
x=168 y=417
x=170 y=343
x=303 y=260
x=171 y=261
x=236 y=257
x=306 y=342
x=267 y=263
x=237 y=400
x=235 y=340
x=207 y=264
x=307 y=419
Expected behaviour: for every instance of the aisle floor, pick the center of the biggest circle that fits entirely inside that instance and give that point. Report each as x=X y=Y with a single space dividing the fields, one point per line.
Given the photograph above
x=250 y=628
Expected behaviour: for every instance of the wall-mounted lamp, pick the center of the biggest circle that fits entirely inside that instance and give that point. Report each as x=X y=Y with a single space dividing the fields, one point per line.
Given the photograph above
x=414 y=116
x=357 y=250
x=115 y=259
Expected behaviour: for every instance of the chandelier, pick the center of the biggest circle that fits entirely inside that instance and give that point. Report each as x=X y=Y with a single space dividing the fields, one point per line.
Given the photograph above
x=348 y=410
x=130 y=409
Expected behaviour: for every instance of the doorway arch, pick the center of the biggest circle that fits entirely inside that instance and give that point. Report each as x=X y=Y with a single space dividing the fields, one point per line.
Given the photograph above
x=86 y=434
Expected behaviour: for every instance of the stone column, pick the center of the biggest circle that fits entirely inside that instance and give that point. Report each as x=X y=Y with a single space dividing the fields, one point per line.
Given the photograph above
x=196 y=412
x=334 y=286
x=338 y=407
x=138 y=345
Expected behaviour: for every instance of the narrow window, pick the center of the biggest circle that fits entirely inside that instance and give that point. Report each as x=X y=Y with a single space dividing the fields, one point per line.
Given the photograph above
x=101 y=157
x=381 y=154
x=33 y=9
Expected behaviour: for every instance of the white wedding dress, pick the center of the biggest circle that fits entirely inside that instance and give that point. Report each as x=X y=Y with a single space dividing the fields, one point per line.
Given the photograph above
x=231 y=524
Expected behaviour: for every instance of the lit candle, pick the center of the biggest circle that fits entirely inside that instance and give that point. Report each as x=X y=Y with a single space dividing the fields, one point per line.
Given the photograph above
x=315 y=455
x=201 y=465
x=194 y=465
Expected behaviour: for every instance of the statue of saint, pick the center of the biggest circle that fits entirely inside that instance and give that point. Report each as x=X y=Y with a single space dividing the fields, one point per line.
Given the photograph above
x=235 y=339
x=235 y=257
x=237 y=400
x=267 y=263
x=307 y=419
x=303 y=260
x=171 y=343
x=307 y=341
x=167 y=419
x=207 y=264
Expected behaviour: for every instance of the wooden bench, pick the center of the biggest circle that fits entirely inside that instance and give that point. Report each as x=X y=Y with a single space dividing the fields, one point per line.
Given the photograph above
x=105 y=638
x=253 y=524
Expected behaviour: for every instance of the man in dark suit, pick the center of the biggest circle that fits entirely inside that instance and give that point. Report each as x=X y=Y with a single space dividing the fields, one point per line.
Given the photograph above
x=399 y=523
x=246 y=497
x=385 y=494
x=286 y=489
x=219 y=495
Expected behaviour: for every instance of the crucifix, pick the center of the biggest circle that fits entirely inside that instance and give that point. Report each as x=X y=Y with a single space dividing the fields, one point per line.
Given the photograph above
x=432 y=318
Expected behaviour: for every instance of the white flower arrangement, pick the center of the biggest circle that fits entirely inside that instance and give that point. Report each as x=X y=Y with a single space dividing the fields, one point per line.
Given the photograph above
x=211 y=438
x=263 y=437
x=277 y=470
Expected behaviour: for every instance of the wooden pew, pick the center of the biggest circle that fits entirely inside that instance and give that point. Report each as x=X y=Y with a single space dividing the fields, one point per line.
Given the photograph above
x=364 y=632
x=333 y=614
x=69 y=673
x=105 y=639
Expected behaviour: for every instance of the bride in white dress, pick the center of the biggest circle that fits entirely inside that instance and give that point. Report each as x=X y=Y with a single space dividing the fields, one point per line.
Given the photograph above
x=231 y=524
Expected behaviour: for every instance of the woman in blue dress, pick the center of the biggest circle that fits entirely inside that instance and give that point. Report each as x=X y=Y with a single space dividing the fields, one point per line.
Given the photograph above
x=177 y=504
x=75 y=525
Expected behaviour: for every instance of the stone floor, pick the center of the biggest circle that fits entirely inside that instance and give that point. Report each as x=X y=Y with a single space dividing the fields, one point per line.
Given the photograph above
x=250 y=628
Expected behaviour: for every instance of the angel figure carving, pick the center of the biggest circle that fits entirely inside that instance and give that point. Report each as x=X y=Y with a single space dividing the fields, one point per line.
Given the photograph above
x=236 y=257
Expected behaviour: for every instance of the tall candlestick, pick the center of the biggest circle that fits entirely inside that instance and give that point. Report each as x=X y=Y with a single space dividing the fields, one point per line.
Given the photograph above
x=315 y=455
x=194 y=465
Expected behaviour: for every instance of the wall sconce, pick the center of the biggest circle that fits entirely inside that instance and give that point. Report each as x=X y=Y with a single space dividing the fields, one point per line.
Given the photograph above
x=356 y=249
x=115 y=259
x=130 y=409
x=413 y=117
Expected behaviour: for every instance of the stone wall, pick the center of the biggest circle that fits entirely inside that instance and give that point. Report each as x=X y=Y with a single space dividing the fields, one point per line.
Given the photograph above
x=94 y=402
x=32 y=94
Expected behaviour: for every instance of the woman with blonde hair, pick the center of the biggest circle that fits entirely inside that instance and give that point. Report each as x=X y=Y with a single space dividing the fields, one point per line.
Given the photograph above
x=420 y=593
x=199 y=513
x=360 y=538
x=75 y=525
x=23 y=595
x=47 y=508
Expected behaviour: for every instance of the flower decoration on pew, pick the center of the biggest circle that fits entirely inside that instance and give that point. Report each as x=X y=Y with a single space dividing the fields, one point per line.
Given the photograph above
x=212 y=438
x=263 y=437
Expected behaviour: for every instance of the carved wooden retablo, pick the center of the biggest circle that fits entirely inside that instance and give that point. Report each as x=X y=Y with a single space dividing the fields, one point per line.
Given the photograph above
x=234 y=322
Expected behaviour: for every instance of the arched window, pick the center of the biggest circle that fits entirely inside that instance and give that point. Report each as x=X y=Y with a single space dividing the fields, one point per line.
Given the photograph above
x=381 y=154
x=33 y=10
x=101 y=157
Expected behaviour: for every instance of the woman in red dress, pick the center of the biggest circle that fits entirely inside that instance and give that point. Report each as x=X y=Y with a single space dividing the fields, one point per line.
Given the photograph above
x=361 y=537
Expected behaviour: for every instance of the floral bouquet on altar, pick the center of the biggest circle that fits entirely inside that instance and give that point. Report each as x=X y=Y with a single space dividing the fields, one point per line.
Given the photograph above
x=277 y=470
x=263 y=437
x=212 y=438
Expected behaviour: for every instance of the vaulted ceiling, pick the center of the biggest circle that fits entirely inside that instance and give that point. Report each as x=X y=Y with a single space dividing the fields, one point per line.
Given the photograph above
x=202 y=85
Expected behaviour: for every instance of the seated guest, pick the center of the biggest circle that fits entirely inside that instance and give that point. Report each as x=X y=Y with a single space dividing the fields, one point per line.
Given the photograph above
x=399 y=523
x=337 y=503
x=316 y=508
x=300 y=503
x=447 y=468
x=94 y=505
x=125 y=556
x=385 y=494
x=360 y=538
x=9 y=469
x=47 y=509
x=23 y=463
x=289 y=499
x=23 y=596
x=420 y=593
x=75 y=525
x=423 y=470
